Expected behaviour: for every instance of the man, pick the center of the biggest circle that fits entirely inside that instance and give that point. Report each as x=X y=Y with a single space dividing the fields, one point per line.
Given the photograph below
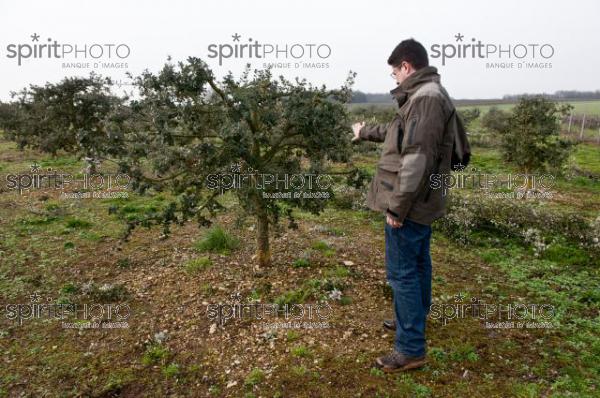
x=416 y=144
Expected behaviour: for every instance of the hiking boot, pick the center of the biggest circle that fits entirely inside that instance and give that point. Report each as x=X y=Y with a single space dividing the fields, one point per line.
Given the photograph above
x=389 y=324
x=397 y=361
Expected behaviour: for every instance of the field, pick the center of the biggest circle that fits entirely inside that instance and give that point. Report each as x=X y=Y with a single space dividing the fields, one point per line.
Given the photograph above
x=56 y=250
x=591 y=107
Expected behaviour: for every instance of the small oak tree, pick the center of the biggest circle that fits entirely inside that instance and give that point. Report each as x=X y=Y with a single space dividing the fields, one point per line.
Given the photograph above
x=69 y=115
x=187 y=130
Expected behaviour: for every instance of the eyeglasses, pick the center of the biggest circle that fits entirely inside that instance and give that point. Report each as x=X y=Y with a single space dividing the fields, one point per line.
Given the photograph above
x=393 y=74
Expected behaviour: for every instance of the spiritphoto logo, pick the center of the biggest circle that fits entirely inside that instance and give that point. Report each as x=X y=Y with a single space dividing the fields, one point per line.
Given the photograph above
x=273 y=55
x=73 y=55
x=87 y=185
x=72 y=315
x=496 y=315
x=272 y=185
x=272 y=316
x=519 y=185
x=520 y=55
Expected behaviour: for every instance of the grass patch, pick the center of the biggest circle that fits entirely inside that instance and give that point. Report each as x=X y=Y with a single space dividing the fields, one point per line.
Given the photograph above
x=217 y=240
x=116 y=382
x=301 y=263
x=297 y=296
x=335 y=231
x=76 y=223
x=124 y=263
x=255 y=377
x=292 y=336
x=585 y=157
x=338 y=272
x=155 y=354
x=299 y=371
x=377 y=372
x=197 y=264
x=36 y=221
x=324 y=248
x=301 y=351
x=172 y=370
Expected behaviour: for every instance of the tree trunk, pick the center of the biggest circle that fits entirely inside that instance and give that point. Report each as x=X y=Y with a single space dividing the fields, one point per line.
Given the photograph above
x=262 y=235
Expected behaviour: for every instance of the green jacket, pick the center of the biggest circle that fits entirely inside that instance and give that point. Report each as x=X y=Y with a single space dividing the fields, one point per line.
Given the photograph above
x=416 y=144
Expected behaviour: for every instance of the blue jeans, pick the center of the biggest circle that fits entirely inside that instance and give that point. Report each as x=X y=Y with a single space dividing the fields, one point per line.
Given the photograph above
x=408 y=266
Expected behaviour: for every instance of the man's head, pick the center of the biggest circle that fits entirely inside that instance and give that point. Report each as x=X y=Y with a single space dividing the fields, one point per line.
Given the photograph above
x=408 y=57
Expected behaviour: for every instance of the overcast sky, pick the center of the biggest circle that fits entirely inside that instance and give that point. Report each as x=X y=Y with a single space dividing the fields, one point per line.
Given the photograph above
x=548 y=45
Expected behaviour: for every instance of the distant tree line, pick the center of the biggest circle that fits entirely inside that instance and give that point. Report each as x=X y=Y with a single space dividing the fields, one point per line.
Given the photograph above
x=559 y=95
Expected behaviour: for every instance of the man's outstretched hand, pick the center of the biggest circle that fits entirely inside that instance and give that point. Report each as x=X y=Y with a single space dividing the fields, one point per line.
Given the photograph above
x=356 y=130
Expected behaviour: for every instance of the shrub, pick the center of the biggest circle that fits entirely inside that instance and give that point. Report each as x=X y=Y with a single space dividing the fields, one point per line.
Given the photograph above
x=469 y=115
x=531 y=139
x=495 y=120
x=468 y=214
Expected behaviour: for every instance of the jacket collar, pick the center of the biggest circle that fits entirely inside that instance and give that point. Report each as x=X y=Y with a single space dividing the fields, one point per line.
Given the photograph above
x=412 y=83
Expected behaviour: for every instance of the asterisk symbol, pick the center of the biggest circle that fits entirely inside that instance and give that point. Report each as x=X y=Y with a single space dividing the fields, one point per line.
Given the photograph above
x=35 y=297
x=459 y=297
x=35 y=167
x=236 y=297
x=459 y=37
x=236 y=168
x=236 y=37
x=459 y=167
x=35 y=37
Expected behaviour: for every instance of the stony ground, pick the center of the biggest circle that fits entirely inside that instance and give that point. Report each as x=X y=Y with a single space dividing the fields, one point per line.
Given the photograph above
x=69 y=251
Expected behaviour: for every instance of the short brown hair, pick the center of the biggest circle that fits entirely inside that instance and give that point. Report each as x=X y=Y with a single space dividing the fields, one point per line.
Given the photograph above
x=410 y=51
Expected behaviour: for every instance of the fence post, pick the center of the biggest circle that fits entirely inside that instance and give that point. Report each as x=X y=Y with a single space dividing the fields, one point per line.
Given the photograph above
x=570 y=120
x=582 y=127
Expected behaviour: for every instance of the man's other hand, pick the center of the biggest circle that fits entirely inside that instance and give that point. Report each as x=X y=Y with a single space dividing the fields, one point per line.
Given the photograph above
x=393 y=223
x=356 y=130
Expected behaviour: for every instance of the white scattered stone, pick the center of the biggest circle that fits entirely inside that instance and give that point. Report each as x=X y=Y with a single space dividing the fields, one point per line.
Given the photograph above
x=160 y=336
x=213 y=328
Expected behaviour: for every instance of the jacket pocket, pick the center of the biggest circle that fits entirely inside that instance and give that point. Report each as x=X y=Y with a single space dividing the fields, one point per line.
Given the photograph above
x=412 y=125
x=387 y=178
